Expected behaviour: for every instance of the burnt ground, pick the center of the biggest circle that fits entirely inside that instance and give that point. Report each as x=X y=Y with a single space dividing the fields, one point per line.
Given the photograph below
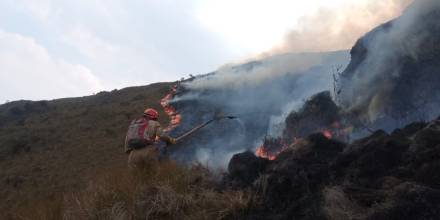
x=319 y=113
x=382 y=176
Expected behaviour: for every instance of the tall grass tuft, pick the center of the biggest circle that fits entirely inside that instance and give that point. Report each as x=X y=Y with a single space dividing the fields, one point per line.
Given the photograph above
x=160 y=191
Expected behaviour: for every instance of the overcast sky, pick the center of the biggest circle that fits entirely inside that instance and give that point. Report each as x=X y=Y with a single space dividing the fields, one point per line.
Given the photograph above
x=61 y=48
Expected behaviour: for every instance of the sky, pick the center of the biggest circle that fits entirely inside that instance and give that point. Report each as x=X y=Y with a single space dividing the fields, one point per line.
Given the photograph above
x=59 y=48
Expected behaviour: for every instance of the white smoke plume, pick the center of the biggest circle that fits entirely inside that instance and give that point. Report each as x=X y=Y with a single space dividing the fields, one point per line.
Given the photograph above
x=261 y=93
x=338 y=27
x=261 y=71
x=327 y=29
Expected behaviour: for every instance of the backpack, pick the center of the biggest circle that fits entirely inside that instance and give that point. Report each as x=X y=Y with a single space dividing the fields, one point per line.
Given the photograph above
x=135 y=134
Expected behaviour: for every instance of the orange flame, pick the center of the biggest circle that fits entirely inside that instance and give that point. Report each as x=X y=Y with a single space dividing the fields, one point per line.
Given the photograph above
x=262 y=153
x=272 y=150
x=327 y=133
x=172 y=113
x=337 y=131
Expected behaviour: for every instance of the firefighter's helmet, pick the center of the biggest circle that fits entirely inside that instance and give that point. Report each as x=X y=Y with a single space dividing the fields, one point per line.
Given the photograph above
x=151 y=113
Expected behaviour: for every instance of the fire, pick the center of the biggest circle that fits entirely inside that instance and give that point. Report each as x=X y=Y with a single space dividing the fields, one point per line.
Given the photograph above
x=271 y=148
x=327 y=133
x=262 y=153
x=172 y=113
x=337 y=131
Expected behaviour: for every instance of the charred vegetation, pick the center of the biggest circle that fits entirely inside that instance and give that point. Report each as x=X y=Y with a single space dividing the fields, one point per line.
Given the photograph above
x=382 y=176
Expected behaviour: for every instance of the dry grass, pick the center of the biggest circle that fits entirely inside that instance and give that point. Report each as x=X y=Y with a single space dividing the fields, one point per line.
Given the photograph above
x=163 y=191
x=337 y=206
x=53 y=147
x=39 y=209
x=67 y=162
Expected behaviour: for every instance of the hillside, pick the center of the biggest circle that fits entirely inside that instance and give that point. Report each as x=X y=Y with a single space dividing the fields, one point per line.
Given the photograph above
x=393 y=77
x=382 y=176
x=369 y=149
x=51 y=147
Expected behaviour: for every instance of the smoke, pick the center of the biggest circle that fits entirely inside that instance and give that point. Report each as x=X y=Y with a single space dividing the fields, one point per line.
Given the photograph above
x=261 y=93
x=387 y=73
x=327 y=29
x=393 y=73
x=338 y=27
x=253 y=73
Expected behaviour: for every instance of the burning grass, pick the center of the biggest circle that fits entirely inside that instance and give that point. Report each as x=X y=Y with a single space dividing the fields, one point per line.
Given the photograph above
x=162 y=191
x=319 y=114
x=271 y=148
x=172 y=113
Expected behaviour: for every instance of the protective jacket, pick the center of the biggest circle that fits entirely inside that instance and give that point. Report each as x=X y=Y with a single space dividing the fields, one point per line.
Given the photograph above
x=151 y=133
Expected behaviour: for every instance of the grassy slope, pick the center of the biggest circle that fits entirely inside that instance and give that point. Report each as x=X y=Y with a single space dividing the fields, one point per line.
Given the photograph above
x=48 y=148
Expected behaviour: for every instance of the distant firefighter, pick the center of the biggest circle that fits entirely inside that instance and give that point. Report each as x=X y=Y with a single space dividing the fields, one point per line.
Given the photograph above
x=141 y=138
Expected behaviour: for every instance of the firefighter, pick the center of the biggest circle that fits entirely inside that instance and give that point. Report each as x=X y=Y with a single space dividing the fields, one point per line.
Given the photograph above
x=141 y=138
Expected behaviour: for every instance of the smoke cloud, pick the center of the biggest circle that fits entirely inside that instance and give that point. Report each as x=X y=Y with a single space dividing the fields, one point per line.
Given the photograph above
x=254 y=73
x=338 y=28
x=391 y=68
x=261 y=93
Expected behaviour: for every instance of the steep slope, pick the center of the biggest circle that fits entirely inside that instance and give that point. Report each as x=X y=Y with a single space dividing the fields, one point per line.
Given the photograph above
x=393 y=79
x=394 y=74
x=51 y=147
